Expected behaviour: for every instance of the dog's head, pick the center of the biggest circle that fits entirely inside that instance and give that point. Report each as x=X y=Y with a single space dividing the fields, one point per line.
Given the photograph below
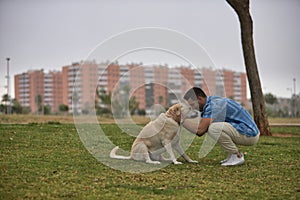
x=181 y=111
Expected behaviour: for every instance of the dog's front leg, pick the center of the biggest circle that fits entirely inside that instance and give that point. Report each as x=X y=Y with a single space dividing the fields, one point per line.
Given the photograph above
x=168 y=147
x=179 y=149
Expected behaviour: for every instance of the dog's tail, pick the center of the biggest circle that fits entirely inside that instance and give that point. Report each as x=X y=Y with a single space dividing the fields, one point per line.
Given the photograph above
x=113 y=154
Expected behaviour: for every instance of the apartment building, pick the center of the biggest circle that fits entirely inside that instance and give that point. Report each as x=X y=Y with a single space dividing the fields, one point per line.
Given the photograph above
x=53 y=94
x=160 y=85
x=29 y=86
x=80 y=81
x=22 y=89
x=209 y=77
x=76 y=86
x=137 y=84
x=235 y=86
x=35 y=88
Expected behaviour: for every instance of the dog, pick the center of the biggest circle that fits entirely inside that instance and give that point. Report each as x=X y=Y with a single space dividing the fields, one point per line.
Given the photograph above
x=159 y=136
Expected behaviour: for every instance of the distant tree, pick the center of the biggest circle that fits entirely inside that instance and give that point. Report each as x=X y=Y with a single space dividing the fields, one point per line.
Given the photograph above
x=142 y=112
x=39 y=104
x=241 y=7
x=121 y=104
x=86 y=109
x=133 y=105
x=118 y=103
x=26 y=110
x=231 y=97
x=270 y=98
x=75 y=100
x=160 y=99
x=16 y=108
x=46 y=110
x=117 y=108
x=63 y=108
x=150 y=101
x=5 y=99
x=126 y=103
x=102 y=101
x=105 y=98
x=4 y=103
x=126 y=89
x=97 y=101
x=2 y=108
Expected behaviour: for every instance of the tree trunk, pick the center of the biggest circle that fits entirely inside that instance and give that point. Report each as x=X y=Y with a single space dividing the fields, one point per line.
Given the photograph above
x=241 y=7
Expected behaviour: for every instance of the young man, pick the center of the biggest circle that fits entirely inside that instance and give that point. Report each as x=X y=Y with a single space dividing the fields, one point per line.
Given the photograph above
x=225 y=121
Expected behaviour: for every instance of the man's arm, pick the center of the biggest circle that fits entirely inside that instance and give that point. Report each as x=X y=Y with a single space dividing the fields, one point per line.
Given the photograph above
x=194 y=126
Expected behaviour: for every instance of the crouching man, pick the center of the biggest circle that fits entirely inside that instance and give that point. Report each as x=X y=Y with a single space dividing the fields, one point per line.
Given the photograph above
x=225 y=120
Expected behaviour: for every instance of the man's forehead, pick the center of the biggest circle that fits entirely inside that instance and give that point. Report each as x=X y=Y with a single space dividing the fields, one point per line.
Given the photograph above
x=185 y=102
x=190 y=100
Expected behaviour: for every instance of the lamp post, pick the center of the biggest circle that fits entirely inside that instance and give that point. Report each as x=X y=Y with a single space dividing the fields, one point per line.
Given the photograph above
x=291 y=103
x=294 y=99
x=8 y=88
x=294 y=80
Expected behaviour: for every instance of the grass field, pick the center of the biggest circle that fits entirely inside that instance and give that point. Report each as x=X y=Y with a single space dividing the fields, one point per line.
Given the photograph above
x=67 y=119
x=48 y=161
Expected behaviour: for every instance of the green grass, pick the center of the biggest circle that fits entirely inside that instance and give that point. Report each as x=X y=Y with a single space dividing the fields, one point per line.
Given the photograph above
x=48 y=161
x=283 y=130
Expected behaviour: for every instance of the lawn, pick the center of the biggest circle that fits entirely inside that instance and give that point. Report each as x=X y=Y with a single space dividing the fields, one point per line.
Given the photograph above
x=49 y=161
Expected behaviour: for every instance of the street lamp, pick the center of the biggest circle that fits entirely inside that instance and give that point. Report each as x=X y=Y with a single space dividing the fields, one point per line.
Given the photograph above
x=292 y=105
x=293 y=98
x=8 y=88
x=294 y=80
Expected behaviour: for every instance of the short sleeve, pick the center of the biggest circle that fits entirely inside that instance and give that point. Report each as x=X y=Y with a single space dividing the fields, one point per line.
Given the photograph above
x=207 y=112
x=215 y=109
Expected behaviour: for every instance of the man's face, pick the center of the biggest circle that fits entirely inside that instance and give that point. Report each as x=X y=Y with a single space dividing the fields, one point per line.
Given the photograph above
x=197 y=104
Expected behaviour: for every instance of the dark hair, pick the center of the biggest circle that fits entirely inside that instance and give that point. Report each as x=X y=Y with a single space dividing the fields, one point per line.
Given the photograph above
x=193 y=93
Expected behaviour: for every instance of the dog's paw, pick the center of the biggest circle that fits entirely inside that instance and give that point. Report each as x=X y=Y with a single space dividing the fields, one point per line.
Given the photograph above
x=177 y=163
x=153 y=162
x=193 y=161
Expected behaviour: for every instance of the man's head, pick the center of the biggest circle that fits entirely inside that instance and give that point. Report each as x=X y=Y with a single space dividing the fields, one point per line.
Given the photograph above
x=196 y=98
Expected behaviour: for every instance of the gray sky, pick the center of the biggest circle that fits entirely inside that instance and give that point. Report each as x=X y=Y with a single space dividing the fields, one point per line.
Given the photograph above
x=44 y=34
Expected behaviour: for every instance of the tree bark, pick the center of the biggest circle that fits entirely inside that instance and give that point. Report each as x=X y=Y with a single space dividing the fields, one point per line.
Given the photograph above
x=241 y=7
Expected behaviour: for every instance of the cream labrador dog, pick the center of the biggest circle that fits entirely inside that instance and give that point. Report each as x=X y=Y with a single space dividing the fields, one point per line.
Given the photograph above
x=159 y=136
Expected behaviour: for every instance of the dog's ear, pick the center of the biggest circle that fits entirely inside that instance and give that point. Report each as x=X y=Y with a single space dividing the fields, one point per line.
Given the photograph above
x=178 y=109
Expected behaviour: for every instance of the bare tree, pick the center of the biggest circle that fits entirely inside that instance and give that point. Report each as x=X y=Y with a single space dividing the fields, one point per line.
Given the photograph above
x=241 y=7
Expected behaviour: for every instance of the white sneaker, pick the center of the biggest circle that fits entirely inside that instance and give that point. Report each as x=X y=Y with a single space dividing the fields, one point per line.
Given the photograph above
x=225 y=160
x=234 y=160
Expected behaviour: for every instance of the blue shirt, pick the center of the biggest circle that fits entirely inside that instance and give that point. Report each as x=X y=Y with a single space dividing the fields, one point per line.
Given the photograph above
x=222 y=109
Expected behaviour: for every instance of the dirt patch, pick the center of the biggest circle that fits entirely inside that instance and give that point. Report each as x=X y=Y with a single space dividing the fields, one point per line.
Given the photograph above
x=285 y=135
x=67 y=119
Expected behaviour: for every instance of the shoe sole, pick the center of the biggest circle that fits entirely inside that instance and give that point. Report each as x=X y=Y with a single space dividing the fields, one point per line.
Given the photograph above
x=223 y=161
x=239 y=163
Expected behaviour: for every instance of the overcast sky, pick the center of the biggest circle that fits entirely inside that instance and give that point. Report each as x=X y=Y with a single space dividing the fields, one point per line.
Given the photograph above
x=48 y=34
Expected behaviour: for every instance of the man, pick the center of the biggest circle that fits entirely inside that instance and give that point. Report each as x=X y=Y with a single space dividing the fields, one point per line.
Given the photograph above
x=225 y=121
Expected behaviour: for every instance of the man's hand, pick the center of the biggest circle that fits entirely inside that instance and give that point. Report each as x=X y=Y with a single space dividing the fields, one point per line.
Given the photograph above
x=199 y=135
x=197 y=125
x=192 y=124
x=172 y=113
